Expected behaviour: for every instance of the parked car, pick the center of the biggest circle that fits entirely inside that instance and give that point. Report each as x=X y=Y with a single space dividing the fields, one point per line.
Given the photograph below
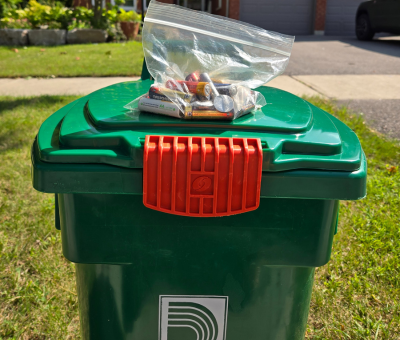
x=377 y=16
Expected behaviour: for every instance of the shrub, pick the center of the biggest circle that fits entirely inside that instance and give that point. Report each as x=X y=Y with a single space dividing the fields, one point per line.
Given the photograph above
x=14 y=23
x=82 y=14
x=78 y=24
x=130 y=16
x=7 y=5
x=37 y=15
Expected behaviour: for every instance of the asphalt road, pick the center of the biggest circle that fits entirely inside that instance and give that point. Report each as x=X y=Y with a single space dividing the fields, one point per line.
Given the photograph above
x=381 y=115
x=335 y=55
x=320 y=55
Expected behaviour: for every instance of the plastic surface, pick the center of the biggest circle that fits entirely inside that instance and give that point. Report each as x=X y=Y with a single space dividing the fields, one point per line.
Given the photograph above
x=119 y=229
x=294 y=134
x=263 y=261
x=121 y=302
x=177 y=41
x=202 y=177
x=108 y=179
x=193 y=53
x=127 y=255
x=284 y=113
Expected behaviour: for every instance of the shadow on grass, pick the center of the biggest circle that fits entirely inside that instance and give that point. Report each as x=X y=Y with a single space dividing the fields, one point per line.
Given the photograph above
x=10 y=103
x=13 y=136
x=9 y=142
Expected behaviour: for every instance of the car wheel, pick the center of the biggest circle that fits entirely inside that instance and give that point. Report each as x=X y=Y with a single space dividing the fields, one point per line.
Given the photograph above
x=364 y=30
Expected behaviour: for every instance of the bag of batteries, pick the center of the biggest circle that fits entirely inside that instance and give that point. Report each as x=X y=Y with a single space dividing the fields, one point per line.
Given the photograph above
x=206 y=66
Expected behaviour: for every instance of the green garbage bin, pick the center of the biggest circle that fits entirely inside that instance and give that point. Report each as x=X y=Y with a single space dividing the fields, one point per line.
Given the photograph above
x=203 y=230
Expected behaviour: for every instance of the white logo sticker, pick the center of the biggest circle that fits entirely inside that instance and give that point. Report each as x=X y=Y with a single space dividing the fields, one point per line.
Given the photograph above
x=192 y=317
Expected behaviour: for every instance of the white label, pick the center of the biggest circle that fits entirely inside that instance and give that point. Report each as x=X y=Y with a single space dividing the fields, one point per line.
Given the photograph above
x=204 y=317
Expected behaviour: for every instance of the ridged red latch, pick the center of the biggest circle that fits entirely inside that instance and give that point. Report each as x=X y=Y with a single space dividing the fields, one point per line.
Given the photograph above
x=202 y=176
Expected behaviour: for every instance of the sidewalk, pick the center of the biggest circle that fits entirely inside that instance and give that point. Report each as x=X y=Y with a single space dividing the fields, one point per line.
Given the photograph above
x=340 y=87
x=377 y=97
x=57 y=86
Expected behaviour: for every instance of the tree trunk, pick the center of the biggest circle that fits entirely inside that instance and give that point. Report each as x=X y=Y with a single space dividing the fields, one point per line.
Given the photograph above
x=97 y=11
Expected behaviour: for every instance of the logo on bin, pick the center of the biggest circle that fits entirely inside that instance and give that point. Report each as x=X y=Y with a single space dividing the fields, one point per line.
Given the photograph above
x=201 y=183
x=192 y=317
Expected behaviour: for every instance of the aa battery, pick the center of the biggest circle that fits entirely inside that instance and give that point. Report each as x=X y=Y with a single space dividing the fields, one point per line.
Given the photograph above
x=191 y=113
x=222 y=102
x=160 y=107
x=205 y=110
x=204 y=77
x=202 y=89
x=161 y=93
x=227 y=89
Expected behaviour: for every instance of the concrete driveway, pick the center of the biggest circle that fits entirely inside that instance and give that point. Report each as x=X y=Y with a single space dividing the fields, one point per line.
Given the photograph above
x=321 y=55
x=365 y=75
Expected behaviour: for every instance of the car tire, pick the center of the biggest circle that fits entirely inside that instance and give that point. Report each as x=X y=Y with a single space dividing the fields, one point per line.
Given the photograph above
x=364 y=30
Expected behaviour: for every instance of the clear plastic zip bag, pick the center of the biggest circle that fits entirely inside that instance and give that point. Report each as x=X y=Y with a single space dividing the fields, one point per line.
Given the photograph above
x=206 y=66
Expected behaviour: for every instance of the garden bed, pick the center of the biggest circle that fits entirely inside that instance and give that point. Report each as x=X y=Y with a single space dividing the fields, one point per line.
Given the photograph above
x=50 y=37
x=85 y=36
x=42 y=25
x=14 y=37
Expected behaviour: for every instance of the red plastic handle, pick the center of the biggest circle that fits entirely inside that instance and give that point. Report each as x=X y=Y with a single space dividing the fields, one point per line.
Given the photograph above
x=202 y=176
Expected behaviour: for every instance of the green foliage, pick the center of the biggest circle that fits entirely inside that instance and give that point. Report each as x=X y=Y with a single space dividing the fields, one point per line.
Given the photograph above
x=130 y=16
x=9 y=17
x=83 y=13
x=79 y=24
x=8 y=5
x=61 y=61
x=35 y=13
x=115 y=33
x=14 y=23
x=110 y=14
x=38 y=15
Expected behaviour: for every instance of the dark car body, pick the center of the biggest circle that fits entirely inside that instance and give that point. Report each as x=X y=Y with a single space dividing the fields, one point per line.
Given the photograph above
x=379 y=16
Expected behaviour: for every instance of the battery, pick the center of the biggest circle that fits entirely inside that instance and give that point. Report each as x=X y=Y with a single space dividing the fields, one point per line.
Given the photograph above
x=227 y=89
x=161 y=93
x=191 y=113
x=245 y=110
x=203 y=105
x=202 y=89
x=218 y=81
x=193 y=77
x=160 y=107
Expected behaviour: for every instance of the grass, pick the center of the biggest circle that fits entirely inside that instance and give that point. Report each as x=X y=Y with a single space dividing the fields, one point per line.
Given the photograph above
x=101 y=60
x=37 y=295
x=356 y=296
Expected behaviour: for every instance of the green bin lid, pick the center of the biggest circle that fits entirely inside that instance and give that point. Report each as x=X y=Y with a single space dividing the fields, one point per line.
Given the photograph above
x=94 y=145
x=294 y=134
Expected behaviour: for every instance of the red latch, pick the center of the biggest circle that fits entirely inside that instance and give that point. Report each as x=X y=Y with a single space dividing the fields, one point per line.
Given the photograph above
x=202 y=176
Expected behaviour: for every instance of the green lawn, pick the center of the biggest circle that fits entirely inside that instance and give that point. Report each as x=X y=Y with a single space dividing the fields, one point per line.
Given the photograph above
x=101 y=60
x=356 y=296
